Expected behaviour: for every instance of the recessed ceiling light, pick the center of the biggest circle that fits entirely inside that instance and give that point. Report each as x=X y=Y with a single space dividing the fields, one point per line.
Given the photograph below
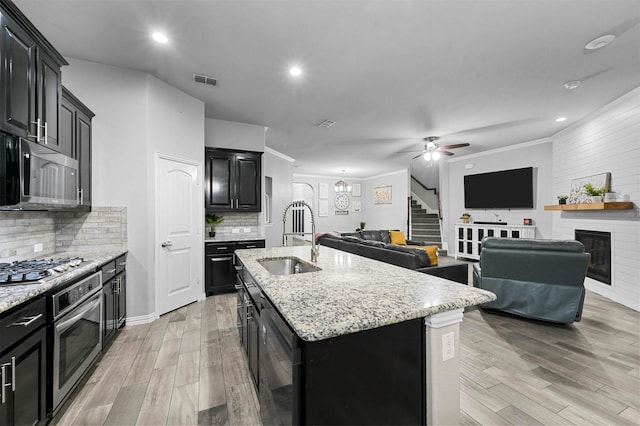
x=560 y=119
x=600 y=42
x=160 y=38
x=573 y=84
x=295 y=71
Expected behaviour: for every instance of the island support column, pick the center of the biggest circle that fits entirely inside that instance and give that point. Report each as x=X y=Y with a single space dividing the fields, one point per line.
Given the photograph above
x=443 y=367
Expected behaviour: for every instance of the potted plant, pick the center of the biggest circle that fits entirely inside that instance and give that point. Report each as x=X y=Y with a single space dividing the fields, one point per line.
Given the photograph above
x=562 y=199
x=213 y=220
x=362 y=225
x=594 y=193
x=466 y=217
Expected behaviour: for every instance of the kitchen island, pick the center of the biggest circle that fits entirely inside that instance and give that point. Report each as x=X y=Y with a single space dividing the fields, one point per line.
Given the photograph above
x=347 y=304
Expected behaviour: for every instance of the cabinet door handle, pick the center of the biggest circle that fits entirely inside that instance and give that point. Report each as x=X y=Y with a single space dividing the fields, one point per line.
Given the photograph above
x=80 y=197
x=220 y=259
x=111 y=271
x=222 y=248
x=25 y=322
x=37 y=135
x=250 y=247
x=46 y=140
x=13 y=378
x=239 y=268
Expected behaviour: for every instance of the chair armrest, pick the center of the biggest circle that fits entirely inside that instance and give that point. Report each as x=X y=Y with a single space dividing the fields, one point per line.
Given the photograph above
x=414 y=243
x=476 y=274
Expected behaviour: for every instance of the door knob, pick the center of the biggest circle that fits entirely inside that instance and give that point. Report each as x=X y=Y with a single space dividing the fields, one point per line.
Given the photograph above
x=167 y=244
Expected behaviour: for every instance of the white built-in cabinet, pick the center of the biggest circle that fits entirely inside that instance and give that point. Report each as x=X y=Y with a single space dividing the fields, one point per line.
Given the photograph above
x=469 y=236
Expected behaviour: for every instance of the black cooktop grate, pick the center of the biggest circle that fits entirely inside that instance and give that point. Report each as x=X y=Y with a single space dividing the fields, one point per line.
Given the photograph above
x=29 y=271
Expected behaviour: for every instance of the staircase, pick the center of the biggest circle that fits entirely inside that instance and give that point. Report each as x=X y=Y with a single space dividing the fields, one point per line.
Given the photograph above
x=425 y=227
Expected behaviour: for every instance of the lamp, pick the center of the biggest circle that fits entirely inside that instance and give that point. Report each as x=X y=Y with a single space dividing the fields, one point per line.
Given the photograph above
x=431 y=153
x=342 y=186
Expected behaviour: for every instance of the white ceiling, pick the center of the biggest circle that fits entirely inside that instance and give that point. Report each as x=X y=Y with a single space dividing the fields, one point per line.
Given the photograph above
x=490 y=73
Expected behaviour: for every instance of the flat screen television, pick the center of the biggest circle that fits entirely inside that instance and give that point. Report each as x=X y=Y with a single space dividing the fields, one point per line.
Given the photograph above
x=505 y=189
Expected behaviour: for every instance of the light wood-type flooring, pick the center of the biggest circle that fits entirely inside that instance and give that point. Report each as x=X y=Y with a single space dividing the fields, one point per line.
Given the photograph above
x=188 y=368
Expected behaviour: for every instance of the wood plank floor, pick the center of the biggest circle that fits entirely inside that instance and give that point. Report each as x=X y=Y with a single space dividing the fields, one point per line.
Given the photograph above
x=187 y=368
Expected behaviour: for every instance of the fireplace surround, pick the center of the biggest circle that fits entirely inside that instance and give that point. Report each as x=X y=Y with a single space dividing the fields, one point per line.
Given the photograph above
x=598 y=244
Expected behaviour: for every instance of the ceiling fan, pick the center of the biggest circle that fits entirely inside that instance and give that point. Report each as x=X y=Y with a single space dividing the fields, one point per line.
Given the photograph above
x=432 y=150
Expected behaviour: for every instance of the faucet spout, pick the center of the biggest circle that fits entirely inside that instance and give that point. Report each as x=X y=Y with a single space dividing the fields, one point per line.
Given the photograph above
x=315 y=252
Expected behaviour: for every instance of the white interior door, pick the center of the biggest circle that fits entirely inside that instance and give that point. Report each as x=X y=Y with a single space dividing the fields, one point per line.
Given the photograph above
x=178 y=240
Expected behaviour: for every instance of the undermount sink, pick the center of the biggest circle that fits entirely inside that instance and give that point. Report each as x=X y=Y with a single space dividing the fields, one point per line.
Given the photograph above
x=287 y=266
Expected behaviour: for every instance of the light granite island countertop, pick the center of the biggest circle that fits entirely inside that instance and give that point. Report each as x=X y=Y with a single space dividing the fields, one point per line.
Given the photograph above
x=352 y=294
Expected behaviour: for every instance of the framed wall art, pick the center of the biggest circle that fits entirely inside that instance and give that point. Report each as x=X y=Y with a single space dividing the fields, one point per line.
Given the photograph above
x=578 y=195
x=382 y=195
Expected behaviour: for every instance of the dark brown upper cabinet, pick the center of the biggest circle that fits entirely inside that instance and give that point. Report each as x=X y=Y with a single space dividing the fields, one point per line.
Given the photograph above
x=30 y=80
x=233 y=180
x=75 y=137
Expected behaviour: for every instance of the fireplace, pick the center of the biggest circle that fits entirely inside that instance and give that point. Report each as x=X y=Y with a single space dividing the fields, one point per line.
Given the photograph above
x=598 y=244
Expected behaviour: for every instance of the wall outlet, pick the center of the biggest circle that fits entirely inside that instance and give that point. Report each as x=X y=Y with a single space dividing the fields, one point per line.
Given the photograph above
x=37 y=248
x=247 y=230
x=235 y=230
x=448 y=349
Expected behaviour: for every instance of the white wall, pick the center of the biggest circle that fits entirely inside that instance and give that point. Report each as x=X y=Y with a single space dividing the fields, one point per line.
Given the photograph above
x=136 y=116
x=280 y=168
x=536 y=154
x=607 y=141
x=377 y=216
x=233 y=135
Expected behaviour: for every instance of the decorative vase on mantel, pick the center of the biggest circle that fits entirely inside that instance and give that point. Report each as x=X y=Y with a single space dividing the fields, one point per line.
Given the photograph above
x=595 y=199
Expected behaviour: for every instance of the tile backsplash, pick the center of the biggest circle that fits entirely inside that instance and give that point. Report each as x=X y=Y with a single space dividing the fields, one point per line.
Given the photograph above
x=103 y=228
x=240 y=222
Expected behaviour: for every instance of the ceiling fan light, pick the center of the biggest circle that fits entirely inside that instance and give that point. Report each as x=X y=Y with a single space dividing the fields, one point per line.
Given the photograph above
x=435 y=155
x=431 y=145
x=427 y=156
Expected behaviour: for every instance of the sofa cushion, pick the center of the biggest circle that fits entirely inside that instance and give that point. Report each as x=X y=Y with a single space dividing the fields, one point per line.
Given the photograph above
x=432 y=252
x=373 y=243
x=397 y=237
x=375 y=235
x=422 y=258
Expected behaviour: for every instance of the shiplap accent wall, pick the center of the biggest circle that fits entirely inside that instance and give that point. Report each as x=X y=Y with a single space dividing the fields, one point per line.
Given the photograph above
x=607 y=141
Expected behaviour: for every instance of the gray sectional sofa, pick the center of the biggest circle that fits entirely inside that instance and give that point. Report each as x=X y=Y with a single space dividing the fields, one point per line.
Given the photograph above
x=377 y=245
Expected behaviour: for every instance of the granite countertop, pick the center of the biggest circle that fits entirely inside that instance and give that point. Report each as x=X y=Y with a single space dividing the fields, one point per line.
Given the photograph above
x=14 y=295
x=353 y=293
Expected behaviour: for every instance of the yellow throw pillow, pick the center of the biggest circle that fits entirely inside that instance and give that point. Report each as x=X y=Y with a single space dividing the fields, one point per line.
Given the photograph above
x=432 y=251
x=397 y=237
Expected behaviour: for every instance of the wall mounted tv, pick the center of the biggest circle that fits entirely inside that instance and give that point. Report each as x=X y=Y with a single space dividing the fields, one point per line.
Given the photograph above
x=505 y=189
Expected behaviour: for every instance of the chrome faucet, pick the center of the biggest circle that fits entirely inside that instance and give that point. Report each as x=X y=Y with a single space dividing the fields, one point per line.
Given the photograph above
x=315 y=252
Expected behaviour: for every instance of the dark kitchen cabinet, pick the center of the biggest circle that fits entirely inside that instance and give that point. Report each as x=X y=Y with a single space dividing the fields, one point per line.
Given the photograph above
x=248 y=320
x=114 y=287
x=75 y=133
x=49 y=96
x=219 y=273
x=23 y=366
x=17 y=78
x=30 y=81
x=233 y=180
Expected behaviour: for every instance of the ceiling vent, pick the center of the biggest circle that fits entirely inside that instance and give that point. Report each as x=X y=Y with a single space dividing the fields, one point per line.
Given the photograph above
x=327 y=123
x=205 y=80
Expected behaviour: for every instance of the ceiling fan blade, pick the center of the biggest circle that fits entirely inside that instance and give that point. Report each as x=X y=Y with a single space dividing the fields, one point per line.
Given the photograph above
x=456 y=145
x=445 y=152
x=419 y=155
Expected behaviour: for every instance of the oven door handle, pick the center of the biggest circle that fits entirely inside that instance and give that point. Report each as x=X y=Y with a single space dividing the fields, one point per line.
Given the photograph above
x=62 y=326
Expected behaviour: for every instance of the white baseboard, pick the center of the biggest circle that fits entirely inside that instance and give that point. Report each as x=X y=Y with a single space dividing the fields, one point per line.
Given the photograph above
x=143 y=319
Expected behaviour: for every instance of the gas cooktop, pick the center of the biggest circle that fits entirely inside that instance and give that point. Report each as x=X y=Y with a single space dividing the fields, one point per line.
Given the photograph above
x=34 y=271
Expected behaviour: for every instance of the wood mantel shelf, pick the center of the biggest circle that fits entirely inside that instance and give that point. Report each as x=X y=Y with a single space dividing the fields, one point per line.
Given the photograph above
x=626 y=205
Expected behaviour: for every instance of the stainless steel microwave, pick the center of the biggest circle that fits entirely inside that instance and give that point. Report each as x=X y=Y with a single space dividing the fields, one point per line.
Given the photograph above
x=34 y=177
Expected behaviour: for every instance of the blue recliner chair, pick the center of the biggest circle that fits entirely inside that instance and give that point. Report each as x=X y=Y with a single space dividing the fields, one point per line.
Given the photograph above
x=539 y=279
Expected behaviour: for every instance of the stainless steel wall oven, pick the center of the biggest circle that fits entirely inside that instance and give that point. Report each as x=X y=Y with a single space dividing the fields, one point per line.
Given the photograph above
x=76 y=333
